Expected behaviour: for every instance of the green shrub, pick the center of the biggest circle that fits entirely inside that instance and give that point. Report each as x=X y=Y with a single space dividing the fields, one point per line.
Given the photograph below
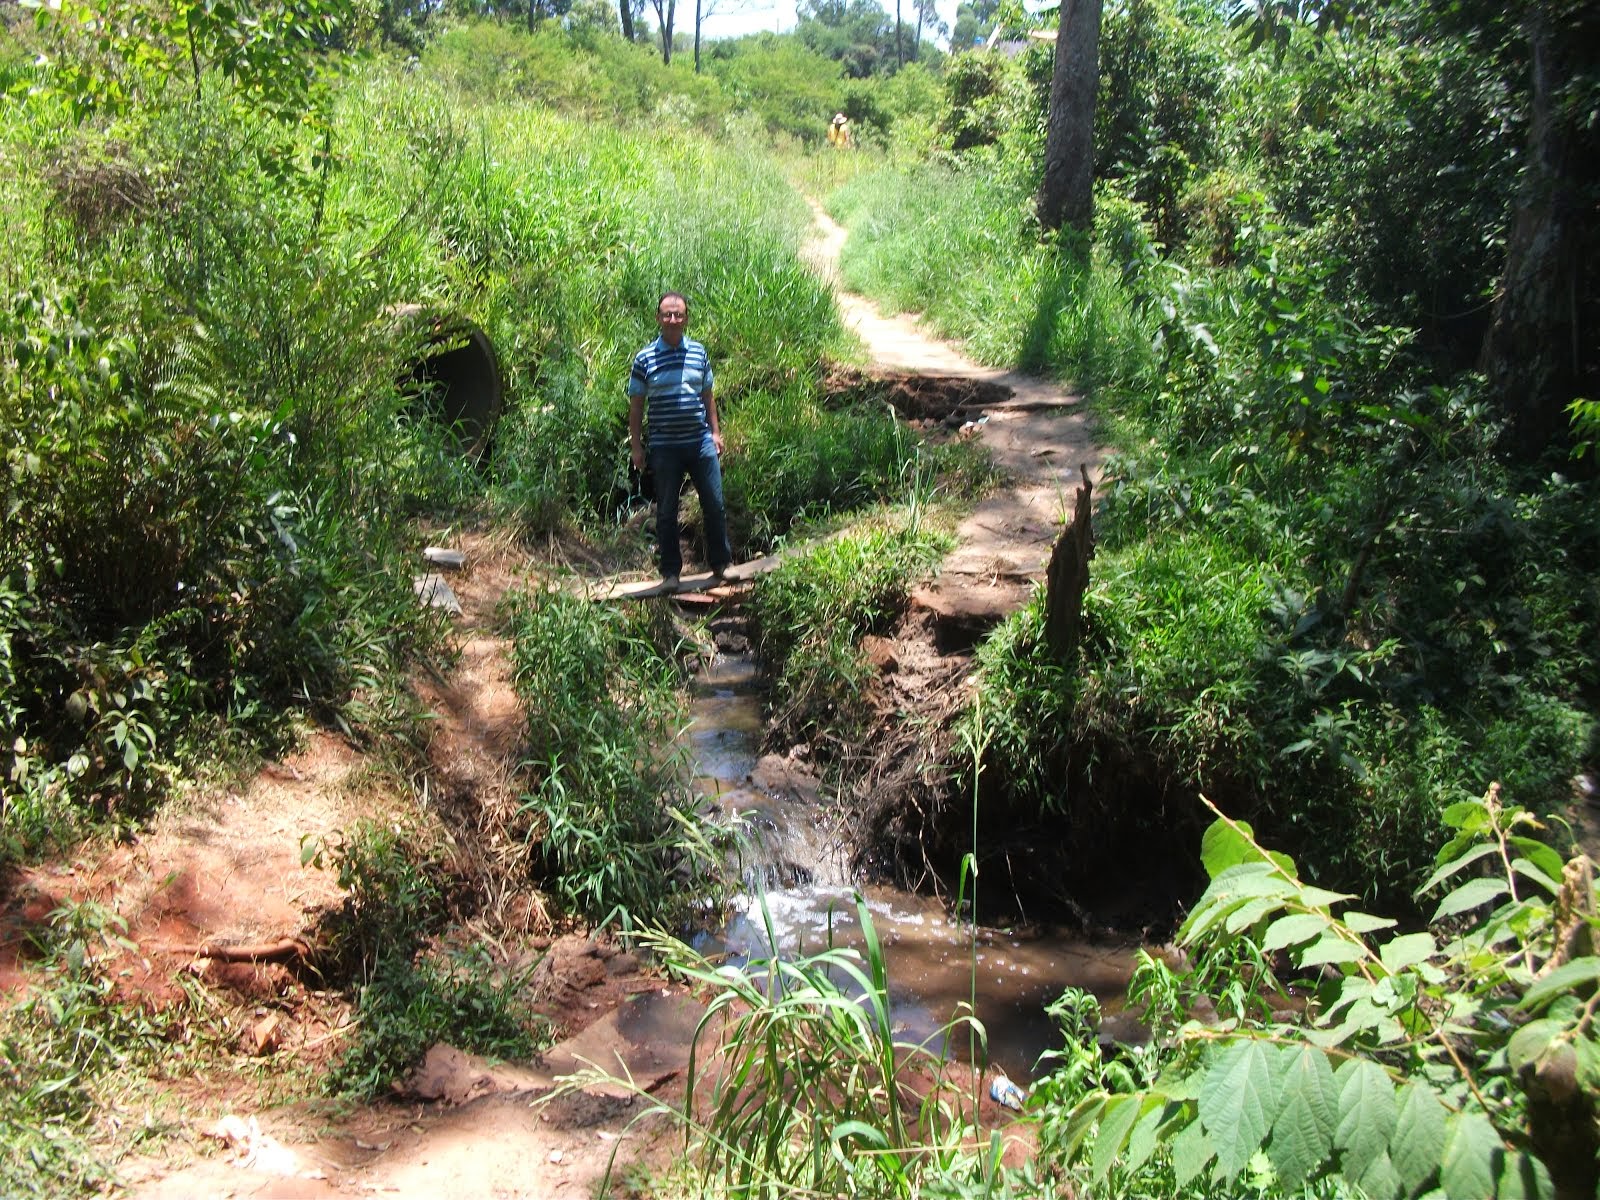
x=607 y=801
x=812 y=611
x=71 y=1046
x=412 y=991
x=792 y=89
x=584 y=73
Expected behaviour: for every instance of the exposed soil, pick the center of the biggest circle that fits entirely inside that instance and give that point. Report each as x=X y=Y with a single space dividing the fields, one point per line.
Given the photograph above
x=219 y=887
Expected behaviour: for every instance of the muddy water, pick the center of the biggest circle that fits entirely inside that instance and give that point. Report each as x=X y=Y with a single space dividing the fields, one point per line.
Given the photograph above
x=798 y=885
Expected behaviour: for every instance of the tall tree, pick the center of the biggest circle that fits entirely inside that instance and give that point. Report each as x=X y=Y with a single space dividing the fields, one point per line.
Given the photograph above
x=704 y=10
x=1540 y=351
x=625 y=11
x=666 y=18
x=1066 y=195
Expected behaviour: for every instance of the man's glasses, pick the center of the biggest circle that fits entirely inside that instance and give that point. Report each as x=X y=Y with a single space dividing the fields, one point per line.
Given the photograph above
x=673 y=316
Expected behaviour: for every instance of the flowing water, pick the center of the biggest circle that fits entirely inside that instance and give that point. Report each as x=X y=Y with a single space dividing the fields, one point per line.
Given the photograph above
x=798 y=884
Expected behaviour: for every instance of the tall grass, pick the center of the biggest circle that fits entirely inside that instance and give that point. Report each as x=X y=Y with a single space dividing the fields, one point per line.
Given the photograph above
x=961 y=247
x=607 y=803
x=812 y=612
x=797 y=1085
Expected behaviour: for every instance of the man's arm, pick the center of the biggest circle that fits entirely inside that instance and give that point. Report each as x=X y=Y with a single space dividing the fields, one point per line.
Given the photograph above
x=710 y=401
x=636 y=430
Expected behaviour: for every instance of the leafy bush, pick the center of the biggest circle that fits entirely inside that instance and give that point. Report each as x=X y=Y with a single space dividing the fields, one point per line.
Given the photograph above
x=69 y=1045
x=412 y=991
x=580 y=72
x=791 y=460
x=1461 y=1056
x=792 y=89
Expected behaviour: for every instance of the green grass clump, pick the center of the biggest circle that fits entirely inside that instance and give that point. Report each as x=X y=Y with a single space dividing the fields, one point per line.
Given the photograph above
x=813 y=610
x=607 y=804
x=413 y=990
x=791 y=459
x=71 y=1046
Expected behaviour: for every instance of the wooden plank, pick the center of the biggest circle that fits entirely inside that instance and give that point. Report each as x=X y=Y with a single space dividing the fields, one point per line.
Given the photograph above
x=650 y=589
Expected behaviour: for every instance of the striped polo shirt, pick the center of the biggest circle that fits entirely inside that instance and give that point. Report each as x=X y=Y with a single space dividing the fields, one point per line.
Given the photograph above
x=672 y=379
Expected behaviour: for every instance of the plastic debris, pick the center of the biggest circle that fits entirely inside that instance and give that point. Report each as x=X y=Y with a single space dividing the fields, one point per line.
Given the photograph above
x=447 y=560
x=1005 y=1093
x=254 y=1149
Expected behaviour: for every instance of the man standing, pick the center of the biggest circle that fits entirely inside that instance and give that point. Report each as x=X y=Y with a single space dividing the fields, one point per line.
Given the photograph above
x=673 y=374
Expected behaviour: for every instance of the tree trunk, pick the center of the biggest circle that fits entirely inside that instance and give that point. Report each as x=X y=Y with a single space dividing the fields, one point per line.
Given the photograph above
x=1066 y=195
x=625 y=11
x=1538 y=354
x=697 y=4
x=1067 y=577
x=899 y=54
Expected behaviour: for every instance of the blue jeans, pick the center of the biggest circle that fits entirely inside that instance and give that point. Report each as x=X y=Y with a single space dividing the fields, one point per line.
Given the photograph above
x=671 y=464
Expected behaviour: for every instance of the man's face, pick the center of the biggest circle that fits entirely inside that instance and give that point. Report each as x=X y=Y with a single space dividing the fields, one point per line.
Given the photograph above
x=673 y=317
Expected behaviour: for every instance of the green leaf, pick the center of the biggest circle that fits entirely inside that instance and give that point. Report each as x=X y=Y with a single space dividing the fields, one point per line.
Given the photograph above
x=1529 y=1042
x=1191 y=1151
x=1367 y=1111
x=1472 y=1149
x=1315 y=897
x=1251 y=911
x=1233 y=1102
x=1142 y=1142
x=1563 y=979
x=1469 y=895
x=1407 y=951
x=1469 y=816
x=871 y=1135
x=1116 y=1122
x=1360 y=922
x=1224 y=846
x=1541 y=856
x=1524 y=1177
x=1292 y=931
x=1528 y=870
x=1418 y=1143
x=1308 y=1107
x=1456 y=864
x=1331 y=949
x=1377 y=1176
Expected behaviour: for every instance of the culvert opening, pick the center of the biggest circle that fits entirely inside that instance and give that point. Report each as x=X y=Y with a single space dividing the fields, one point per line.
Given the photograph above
x=457 y=379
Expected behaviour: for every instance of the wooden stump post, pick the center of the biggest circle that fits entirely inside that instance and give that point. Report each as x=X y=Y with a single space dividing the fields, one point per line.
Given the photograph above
x=1068 y=577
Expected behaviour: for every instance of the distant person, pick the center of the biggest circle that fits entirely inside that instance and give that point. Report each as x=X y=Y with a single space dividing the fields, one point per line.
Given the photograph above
x=839 y=131
x=671 y=377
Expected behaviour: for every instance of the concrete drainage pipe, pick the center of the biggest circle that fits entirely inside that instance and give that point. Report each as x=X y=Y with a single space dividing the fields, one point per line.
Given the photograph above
x=457 y=376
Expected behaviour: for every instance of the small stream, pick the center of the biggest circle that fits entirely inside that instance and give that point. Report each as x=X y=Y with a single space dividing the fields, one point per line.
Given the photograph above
x=797 y=864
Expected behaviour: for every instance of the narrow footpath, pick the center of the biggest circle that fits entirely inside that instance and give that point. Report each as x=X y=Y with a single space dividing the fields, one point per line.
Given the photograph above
x=1039 y=436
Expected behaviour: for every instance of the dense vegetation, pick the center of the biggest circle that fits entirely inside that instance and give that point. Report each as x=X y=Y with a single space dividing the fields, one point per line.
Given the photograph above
x=1338 y=592
x=1322 y=556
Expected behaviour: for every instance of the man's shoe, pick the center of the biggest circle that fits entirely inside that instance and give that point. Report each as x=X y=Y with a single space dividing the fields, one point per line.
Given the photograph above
x=669 y=583
x=720 y=573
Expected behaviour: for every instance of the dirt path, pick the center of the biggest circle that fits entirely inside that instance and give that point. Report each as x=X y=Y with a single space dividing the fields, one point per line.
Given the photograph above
x=1039 y=436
